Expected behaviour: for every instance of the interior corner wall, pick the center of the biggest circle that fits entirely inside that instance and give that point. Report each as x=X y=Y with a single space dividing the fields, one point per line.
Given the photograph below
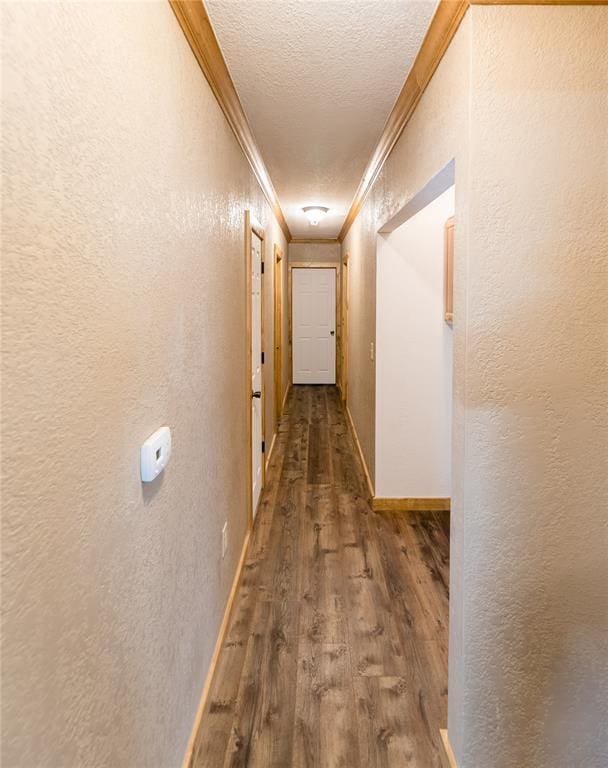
x=123 y=309
x=414 y=358
x=535 y=580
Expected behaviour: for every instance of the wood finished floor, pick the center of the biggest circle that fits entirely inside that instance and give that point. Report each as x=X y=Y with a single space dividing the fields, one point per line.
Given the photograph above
x=336 y=654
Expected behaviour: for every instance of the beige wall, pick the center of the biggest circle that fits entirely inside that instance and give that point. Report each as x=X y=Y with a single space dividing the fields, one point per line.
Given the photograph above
x=314 y=252
x=536 y=383
x=123 y=309
x=528 y=586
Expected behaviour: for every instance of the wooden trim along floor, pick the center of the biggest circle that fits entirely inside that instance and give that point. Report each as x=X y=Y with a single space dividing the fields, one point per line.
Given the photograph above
x=187 y=763
x=410 y=505
x=447 y=757
x=270 y=450
x=353 y=429
x=286 y=396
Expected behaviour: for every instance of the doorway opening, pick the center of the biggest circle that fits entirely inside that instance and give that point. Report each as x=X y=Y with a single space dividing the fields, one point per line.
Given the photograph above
x=414 y=352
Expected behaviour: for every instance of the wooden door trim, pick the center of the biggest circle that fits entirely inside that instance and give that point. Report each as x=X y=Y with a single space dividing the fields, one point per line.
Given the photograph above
x=251 y=225
x=344 y=329
x=357 y=442
x=311 y=265
x=278 y=334
x=194 y=21
x=448 y=271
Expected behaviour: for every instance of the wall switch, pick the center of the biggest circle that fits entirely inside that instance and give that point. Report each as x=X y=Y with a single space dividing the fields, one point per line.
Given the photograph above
x=371 y=351
x=224 y=539
x=155 y=453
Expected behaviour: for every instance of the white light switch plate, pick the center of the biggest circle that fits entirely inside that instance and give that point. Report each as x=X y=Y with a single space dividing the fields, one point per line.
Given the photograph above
x=155 y=453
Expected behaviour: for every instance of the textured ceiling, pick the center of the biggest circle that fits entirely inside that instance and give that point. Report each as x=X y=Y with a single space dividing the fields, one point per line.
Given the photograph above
x=317 y=80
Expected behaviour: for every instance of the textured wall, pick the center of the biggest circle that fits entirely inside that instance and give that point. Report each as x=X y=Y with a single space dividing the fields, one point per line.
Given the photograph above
x=314 y=252
x=527 y=678
x=414 y=358
x=123 y=309
x=536 y=380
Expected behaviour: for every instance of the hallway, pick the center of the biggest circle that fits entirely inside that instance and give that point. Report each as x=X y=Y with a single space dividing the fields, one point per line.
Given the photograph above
x=336 y=653
x=282 y=282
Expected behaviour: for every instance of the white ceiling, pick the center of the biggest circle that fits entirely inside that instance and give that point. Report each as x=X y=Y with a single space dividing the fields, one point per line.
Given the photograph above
x=317 y=80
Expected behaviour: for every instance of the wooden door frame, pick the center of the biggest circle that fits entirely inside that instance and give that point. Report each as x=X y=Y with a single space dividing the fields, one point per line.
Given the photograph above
x=278 y=333
x=312 y=265
x=344 y=328
x=251 y=225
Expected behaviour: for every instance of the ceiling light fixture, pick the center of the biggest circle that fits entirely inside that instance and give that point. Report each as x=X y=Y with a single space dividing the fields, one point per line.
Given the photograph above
x=315 y=213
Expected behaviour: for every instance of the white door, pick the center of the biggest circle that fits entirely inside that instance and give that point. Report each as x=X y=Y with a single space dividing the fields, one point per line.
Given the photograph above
x=256 y=370
x=314 y=325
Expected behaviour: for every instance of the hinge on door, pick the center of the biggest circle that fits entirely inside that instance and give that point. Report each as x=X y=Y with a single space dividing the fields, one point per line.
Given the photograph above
x=262 y=358
x=263 y=446
x=262 y=267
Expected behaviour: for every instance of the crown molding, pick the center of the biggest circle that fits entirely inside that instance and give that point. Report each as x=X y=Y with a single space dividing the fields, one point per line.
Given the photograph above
x=196 y=26
x=443 y=26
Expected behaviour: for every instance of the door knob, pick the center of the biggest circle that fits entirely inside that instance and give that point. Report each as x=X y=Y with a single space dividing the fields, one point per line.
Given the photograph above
x=256 y=394
x=332 y=333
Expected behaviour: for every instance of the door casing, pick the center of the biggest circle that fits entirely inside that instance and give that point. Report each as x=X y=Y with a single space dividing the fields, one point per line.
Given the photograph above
x=278 y=333
x=344 y=329
x=252 y=226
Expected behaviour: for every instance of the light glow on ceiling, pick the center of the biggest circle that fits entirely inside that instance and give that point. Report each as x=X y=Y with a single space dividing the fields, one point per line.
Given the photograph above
x=315 y=214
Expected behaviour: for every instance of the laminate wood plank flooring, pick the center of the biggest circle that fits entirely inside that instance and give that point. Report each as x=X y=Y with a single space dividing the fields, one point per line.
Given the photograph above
x=336 y=653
